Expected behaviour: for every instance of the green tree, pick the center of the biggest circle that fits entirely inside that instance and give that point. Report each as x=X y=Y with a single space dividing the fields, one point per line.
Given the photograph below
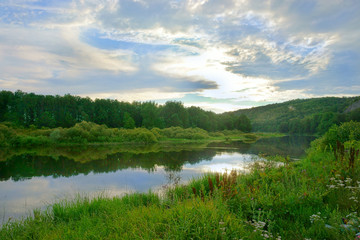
x=243 y=123
x=129 y=122
x=149 y=114
x=175 y=121
x=46 y=119
x=173 y=107
x=284 y=127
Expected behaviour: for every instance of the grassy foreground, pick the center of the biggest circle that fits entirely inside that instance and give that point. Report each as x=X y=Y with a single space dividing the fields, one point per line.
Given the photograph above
x=315 y=198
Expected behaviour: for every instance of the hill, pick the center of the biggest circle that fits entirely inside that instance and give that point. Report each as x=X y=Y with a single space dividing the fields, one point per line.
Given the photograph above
x=305 y=116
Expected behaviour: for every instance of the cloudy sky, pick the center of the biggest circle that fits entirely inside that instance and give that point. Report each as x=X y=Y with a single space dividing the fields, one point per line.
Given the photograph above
x=221 y=55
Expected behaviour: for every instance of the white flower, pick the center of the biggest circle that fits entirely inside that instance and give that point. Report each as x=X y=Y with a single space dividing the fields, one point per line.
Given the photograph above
x=348 y=180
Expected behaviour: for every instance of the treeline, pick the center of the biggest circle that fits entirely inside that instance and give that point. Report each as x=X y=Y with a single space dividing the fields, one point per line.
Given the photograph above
x=32 y=110
x=306 y=116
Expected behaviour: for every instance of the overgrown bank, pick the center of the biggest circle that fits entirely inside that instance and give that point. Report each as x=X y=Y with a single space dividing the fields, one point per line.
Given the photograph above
x=88 y=132
x=315 y=198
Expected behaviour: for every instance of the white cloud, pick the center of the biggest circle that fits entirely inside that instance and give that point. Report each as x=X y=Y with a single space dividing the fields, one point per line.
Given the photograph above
x=245 y=48
x=147 y=94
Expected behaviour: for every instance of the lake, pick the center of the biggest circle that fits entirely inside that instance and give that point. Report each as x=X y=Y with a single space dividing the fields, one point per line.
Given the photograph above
x=36 y=178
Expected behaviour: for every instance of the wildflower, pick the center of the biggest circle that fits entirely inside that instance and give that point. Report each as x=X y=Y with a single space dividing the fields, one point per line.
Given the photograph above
x=348 y=180
x=265 y=235
x=315 y=217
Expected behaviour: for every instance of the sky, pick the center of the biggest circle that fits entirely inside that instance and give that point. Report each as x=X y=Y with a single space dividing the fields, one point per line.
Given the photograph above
x=220 y=55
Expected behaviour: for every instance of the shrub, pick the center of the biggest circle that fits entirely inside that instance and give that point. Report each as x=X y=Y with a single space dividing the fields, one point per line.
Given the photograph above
x=216 y=134
x=156 y=132
x=349 y=131
x=6 y=135
x=187 y=133
x=141 y=135
x=56 y=135
x=24 y=141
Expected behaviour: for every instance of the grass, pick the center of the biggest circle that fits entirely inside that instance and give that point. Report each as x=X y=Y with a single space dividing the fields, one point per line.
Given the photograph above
x=315 y=198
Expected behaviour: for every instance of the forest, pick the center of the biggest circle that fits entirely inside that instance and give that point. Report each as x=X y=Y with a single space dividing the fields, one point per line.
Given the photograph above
x=300 y=116
x=303 y=116
x=38 y=111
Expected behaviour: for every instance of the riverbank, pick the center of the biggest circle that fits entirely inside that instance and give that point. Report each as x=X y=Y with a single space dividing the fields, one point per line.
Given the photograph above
x=87 y=133
x=315 y=198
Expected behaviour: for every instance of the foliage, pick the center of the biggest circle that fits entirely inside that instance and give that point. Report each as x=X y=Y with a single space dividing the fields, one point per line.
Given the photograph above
x=6 y=135
x=346 y=133
x=302 y=116
x=129 y=122
x=188 y=133
x=26 y=109
x=81 y=133
x=89 y=132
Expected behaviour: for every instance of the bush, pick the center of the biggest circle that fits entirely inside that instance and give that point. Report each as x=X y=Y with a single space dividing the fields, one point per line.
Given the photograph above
x=6 y=135
x=156 y=132
x=349 y=131
x=24 y=141
x=216 y=134
x=141 y=135
x=56 y=135
x=187 y=133
x=232 y=132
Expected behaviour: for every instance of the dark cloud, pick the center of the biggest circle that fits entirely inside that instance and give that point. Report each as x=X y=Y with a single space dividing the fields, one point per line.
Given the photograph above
x=103 y=82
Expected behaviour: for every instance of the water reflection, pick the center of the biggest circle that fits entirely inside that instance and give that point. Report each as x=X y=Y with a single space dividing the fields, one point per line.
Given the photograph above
x=224 y=161
x=26 y=166
x=34 y=178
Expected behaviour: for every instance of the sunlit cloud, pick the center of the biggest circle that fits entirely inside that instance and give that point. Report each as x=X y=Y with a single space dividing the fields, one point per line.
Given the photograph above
x=244 y=52
x=143 y=95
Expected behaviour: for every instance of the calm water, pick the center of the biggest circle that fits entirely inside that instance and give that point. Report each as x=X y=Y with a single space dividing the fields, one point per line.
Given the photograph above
x=35 y=178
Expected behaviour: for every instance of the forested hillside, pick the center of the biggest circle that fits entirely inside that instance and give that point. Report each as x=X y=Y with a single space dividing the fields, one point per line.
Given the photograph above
x=31 y=110
x=304 y=116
